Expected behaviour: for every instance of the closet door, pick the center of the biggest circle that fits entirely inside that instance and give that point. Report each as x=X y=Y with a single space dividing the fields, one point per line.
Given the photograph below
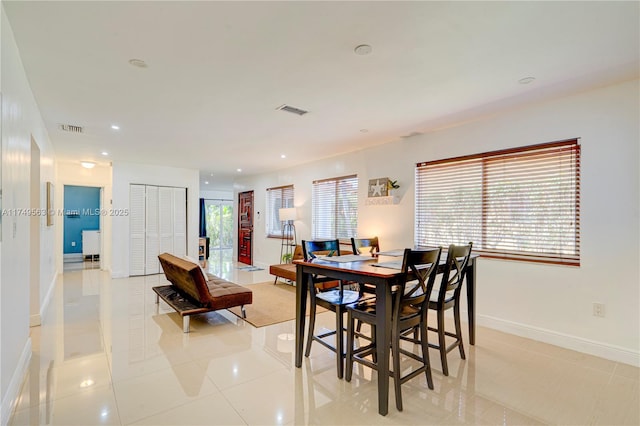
x=165 y=219
x=152 y=240
x=136 y=229
x=180 y=221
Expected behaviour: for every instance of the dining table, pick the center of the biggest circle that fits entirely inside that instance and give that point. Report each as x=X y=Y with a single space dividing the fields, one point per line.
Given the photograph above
x=383 y=272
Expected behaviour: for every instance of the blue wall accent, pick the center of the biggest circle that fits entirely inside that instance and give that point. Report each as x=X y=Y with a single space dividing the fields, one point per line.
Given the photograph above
x=81 y=211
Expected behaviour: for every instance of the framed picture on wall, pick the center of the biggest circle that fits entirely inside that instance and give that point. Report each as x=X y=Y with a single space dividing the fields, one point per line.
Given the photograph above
x=50 y=212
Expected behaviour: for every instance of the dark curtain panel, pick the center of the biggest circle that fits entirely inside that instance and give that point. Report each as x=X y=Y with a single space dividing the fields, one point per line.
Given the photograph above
x=203 y=219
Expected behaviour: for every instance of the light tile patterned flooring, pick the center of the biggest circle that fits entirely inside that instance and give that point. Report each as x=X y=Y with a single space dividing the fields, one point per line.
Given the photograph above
x=107 y=354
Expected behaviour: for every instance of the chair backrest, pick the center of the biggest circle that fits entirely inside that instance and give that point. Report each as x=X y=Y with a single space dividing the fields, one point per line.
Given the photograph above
x=365 y=245
x=453 y=275
x=311 y=249
x=419 y=273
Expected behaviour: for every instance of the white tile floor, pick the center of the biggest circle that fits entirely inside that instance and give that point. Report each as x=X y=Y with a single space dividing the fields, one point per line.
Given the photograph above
x=106 y=354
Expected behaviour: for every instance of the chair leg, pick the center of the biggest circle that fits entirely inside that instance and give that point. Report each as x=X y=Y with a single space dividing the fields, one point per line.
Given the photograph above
x=348 y=367
x=374 y=355
x=339 y=341
x=442 y=343
x=312 y=325
x=395 y=354
x=425 y=354
x=456 y=317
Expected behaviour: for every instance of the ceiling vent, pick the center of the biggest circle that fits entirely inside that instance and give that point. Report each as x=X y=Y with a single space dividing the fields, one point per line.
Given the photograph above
x=293 y=110
x=71 y=128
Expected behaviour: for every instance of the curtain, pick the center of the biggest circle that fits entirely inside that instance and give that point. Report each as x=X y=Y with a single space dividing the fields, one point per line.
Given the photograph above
x=203 y=218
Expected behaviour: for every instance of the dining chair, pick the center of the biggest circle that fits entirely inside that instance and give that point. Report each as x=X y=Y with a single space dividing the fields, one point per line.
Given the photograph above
x=366 y=246
x=335 y=298
x=446 y=297
x=410 y=306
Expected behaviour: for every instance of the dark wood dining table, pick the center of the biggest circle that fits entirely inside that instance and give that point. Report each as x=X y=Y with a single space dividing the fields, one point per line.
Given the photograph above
x=384 y=279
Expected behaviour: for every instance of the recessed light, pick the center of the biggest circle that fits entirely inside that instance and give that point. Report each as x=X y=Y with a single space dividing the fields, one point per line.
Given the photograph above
x=139 y=63
x=283 y=156
x=105 y=153
x=115 y=127
x=238 y=170
x=206 y=182
x=526 y=80
x=88 y=164
x=363 y=49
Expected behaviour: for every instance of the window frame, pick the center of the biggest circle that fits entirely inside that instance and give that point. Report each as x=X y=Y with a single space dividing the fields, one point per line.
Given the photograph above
x=335 y=224
x=273 y=224
x=495 y=181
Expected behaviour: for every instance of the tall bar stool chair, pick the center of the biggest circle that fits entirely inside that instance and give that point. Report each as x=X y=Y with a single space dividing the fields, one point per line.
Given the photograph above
x=323 y=292
x=448 y=297
x=409 y=312
x=366 y=246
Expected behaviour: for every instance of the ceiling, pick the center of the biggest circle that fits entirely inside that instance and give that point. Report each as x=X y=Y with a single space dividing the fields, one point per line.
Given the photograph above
x=217 y=72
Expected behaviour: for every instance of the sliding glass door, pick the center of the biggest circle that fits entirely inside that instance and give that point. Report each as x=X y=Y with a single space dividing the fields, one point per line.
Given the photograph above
x=219 y=216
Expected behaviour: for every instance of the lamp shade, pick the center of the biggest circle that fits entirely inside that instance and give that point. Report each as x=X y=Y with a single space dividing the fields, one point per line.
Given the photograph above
x=287 y=214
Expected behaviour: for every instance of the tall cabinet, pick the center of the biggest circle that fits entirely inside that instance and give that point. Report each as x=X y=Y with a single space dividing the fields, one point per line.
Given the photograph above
x=158 y=224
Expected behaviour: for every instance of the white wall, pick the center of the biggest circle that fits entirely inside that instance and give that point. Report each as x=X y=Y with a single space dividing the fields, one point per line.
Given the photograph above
x=21 y=121
x=74 y=174
x=548 y=303
x=217 y=194
x=124 y=174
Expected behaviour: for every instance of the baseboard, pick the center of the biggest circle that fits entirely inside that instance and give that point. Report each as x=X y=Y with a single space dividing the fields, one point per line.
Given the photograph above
x=49 y=296
x=119 y=274
x=13 y=391
x=591 y=347
x=72 y=257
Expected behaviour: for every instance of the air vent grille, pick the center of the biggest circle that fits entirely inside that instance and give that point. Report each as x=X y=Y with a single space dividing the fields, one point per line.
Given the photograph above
x=71 y=128
x=293 y=110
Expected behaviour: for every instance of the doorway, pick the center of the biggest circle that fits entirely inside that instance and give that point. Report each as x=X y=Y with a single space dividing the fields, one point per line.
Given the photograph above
x=219 y=224
x=81 y=227
x=245 y=227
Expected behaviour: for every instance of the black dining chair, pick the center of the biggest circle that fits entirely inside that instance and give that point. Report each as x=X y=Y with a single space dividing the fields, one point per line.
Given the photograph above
x=446 y=297
x=329 y=294
x=365 y=246
x=409 y=312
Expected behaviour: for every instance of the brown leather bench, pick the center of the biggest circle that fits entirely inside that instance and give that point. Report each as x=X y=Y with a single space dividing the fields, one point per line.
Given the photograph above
x=193 y=291
x=288 y=270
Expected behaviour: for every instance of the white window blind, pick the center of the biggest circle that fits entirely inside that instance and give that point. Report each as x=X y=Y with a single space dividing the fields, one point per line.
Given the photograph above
x=277 y=198
x=335 y=208
x=522 y=203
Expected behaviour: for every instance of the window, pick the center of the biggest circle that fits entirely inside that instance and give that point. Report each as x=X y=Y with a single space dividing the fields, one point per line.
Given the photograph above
x=521 y=203
x=335 y=208
x=277 y=198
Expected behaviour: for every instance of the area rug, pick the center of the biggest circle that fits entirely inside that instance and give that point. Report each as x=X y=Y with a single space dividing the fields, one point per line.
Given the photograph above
x=272 y=304
x=250 y=268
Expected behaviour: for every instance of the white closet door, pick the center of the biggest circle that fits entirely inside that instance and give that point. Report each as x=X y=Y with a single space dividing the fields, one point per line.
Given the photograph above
x=136 y=229
x=165 y=219
x=152 y=240
x=180 y=221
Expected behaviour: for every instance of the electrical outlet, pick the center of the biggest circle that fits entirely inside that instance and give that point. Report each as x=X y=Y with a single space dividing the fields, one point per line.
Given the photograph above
x=598 y=310
x=73 y=244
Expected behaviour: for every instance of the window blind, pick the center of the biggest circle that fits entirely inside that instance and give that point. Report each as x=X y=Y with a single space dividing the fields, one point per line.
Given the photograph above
x=335 y=208
x=521 y=203
x=277 y=198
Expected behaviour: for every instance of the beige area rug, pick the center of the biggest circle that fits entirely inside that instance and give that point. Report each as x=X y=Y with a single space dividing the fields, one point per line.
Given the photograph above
x=272 y=304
